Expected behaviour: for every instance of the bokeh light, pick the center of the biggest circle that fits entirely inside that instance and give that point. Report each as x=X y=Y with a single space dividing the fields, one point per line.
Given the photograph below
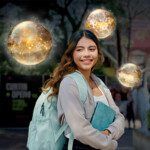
x=101 y=22
x=29 y=43
x=129 y=75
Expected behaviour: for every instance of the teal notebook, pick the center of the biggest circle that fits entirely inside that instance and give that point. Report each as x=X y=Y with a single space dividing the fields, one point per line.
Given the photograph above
x=102 y=117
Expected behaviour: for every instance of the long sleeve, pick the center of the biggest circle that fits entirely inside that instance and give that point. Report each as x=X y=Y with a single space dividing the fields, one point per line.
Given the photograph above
x=73 y=109
x=117 y=127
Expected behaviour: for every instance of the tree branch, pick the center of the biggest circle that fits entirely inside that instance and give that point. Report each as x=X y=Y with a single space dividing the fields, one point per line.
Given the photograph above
x=82 y=16
x=136 y=13
x=67 y=3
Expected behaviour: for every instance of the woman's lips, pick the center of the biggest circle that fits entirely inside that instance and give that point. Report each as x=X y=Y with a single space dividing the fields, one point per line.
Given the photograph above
x=87 y=61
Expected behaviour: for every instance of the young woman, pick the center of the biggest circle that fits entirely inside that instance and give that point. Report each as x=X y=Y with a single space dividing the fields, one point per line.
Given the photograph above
x=82 y=54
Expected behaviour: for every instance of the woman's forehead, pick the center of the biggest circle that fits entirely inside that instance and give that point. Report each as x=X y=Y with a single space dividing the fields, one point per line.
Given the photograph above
x=85 y=41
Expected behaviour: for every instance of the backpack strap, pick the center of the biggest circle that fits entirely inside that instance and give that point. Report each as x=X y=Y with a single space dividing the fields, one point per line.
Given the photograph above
x=81 y=83
x=60 y=131
x=71 y=138
x=70 y=143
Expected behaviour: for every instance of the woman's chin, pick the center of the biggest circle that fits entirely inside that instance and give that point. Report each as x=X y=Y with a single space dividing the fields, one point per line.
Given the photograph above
x=85 y=69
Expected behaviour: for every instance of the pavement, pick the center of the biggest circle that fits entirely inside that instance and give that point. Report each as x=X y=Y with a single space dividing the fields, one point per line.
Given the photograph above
x=15 y=139
x=126 y=141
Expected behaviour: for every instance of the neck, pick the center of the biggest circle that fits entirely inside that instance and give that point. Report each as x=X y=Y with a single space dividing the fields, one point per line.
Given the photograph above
x=86 y=74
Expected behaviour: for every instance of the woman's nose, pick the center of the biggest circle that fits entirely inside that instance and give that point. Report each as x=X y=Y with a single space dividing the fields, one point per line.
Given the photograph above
x=86 y=53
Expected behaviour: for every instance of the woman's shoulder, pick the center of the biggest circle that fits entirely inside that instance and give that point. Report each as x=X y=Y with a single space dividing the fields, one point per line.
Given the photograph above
x=67 y=80
x=68 y=85
x=72 y=78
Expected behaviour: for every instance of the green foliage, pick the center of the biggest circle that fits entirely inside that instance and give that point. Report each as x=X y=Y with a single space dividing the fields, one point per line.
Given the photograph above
x=98 y=72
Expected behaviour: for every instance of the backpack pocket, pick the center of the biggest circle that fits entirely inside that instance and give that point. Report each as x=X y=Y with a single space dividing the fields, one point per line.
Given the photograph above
x=31 y=135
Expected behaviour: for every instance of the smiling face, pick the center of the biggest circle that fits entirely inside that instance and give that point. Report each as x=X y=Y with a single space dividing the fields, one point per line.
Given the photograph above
x=85 y=54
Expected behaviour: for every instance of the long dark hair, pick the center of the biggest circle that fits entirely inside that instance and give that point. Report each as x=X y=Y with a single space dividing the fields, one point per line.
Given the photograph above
x=67 y=64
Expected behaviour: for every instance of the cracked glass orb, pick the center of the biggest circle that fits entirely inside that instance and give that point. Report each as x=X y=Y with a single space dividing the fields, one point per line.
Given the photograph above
x=129 y=75
x=101 y=22
x=29 y=43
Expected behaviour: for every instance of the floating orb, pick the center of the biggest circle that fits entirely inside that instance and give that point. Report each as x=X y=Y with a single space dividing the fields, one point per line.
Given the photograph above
x=101 y=22
x=29 y=43
x=129 y=75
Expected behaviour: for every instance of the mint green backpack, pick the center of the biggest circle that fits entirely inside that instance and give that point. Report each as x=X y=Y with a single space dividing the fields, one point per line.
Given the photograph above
x=45 y=131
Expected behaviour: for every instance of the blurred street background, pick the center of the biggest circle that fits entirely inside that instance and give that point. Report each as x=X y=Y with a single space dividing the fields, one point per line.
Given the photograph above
x=25 y=67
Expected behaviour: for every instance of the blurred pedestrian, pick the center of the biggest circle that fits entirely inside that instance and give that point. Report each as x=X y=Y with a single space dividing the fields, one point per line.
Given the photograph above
x=130 y=112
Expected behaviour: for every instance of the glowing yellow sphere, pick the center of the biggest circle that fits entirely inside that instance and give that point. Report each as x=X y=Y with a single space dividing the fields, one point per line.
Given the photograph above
x=101 y=22
x=29 y=43
x=129 y=75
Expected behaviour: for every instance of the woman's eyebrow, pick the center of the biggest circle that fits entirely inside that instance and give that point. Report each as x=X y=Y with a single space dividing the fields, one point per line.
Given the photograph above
x=93 y=46
x=79 y=46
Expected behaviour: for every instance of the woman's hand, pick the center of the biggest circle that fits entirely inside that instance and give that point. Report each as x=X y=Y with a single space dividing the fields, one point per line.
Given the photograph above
x=106 y=132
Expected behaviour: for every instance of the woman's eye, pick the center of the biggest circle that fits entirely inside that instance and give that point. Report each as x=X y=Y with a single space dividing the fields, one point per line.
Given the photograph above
x=92 y=49
x=78 y=50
